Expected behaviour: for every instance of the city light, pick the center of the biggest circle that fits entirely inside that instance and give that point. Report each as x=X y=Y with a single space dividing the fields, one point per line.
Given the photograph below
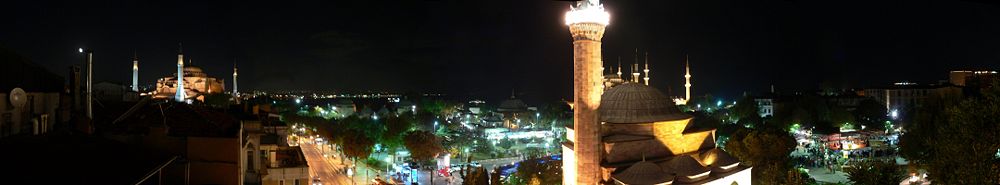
x=80 y=50
x=894 y=114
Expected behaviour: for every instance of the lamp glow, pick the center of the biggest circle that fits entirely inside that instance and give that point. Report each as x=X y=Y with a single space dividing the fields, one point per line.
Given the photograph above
x=590 y=11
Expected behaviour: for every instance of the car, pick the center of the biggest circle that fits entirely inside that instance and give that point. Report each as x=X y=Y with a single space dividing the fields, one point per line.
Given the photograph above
x=316 y=181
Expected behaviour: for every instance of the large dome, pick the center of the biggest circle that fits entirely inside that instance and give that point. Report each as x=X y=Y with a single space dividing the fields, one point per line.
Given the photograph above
x=513 y=105
x=637 y=103
x=192 y=69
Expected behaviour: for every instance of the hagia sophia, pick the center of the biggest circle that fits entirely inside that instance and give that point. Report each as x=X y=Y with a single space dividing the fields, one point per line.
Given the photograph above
x=627 y=132
x=196 y=84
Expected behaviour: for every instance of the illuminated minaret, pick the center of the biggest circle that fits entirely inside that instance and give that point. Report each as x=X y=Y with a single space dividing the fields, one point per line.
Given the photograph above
x=581 y=162
x=236 y=93
x=135 y=72
x=635 y=67
x=687 y=78
x=646 y=70
x=180 y=95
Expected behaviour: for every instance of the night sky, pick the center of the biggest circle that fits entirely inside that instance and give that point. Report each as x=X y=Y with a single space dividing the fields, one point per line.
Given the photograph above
x=486 y=48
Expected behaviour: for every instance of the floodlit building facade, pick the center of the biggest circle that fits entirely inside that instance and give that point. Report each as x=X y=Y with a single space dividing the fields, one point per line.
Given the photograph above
x=630 y=133
x=196 y=82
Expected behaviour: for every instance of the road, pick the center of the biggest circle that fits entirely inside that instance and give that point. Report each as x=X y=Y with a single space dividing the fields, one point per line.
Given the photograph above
x=322 y=167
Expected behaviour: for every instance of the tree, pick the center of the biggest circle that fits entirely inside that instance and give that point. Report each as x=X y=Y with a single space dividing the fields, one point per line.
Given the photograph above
x=506 y=144
x=870 y=113
x=875 y=173
x=746 y=108
x=778 y=174
x=477 y=176
x=395 y=127
x=356 y=145
x=540 y=171
x=759 y=146
x=495 y=177
x=957 y=143
x=423 y=146
x=765 y=148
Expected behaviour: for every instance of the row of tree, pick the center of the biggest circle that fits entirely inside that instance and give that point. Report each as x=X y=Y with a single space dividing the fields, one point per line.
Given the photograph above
x=957 y=139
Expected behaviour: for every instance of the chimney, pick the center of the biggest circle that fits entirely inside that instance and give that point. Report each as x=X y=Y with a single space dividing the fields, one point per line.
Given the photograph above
x=74 y=86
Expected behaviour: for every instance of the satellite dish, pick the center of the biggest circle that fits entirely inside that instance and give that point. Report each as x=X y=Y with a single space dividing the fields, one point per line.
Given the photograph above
x=18 y=97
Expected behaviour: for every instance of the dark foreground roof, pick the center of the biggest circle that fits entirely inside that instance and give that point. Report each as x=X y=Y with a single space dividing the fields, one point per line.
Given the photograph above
x=74 y=159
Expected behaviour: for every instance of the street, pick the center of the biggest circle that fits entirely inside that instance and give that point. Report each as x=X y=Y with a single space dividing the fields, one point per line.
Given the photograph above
x=322 y=167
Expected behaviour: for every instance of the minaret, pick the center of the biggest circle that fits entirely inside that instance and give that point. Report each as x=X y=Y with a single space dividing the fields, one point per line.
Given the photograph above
x=646 y=70
x=180 y=95
x=635 y=73
x=586 y=20
x=135 y=72
x=635 y=67
x=620 y=68
x=236 y=93
x=687 y=78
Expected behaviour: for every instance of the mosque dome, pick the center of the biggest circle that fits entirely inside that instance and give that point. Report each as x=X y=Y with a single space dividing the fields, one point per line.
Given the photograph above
x=192 y=69
x=637 y=103
x=643 y=172
x=513 y=105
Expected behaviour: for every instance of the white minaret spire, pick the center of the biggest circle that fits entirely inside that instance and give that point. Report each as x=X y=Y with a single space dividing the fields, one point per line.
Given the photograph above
x=135 y=72
x=236 y=93
x=635 y=68
x=181 y=94
x=646 y=70
x=687 y=78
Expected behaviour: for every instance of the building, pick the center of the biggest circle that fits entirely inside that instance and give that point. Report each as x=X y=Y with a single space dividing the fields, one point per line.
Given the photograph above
x=960 y=78
x=514 y=112
x=632 y=133
x=904 y=96
x=765 y=105
x=113 y=92
x=646 y=139
x=287 y=166
x=195 y=84
x=42 y=91
x=209 y=142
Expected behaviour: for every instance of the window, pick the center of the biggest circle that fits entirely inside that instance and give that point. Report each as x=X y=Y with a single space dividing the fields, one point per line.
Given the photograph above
x=296 y=182
x=281 y=182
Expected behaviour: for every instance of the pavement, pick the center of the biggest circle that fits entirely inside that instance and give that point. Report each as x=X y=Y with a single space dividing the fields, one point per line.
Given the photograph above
x=824 y=175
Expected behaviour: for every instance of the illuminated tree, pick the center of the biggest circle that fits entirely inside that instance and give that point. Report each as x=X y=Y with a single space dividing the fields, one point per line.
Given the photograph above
x=423 y=146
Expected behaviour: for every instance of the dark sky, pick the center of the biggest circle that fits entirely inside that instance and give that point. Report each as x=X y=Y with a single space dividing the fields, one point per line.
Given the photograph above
x=486 y=48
